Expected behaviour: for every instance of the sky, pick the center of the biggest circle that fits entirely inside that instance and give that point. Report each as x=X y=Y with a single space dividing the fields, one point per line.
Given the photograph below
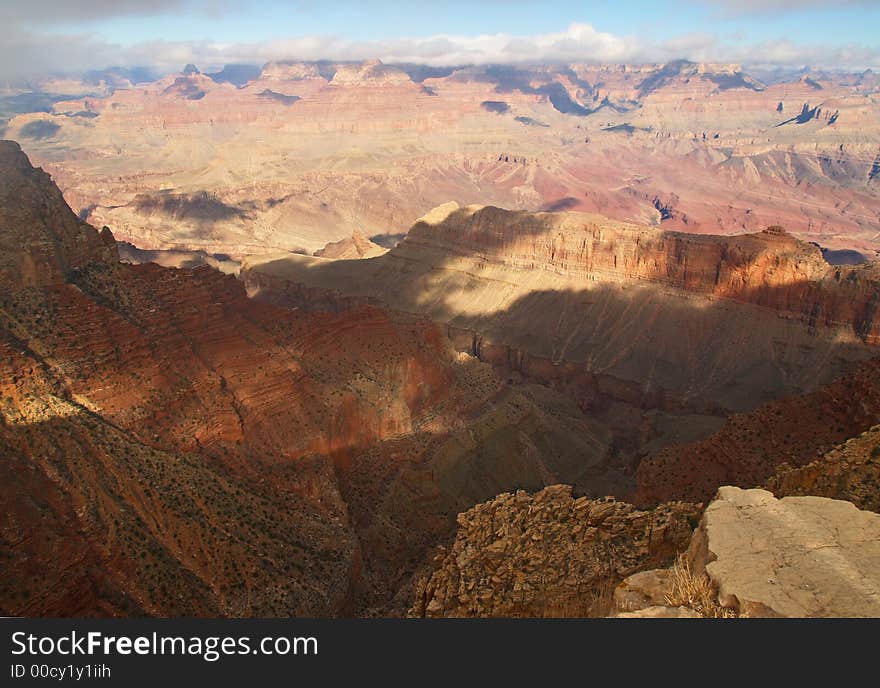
x=66 y=36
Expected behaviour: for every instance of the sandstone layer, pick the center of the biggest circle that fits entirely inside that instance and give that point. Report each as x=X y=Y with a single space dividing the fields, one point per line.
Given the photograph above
x=162 y=432
x=792 y=557
x=304 y=154
x=567 y=296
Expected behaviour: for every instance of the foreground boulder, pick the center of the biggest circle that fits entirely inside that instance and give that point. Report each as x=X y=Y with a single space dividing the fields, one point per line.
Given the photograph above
x=790 y=557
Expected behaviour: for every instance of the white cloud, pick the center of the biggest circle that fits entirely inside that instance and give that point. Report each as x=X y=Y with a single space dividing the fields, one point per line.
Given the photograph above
x=59 y=11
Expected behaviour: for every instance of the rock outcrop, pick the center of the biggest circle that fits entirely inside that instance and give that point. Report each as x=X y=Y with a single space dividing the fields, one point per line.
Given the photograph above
x=790 y=557
x=355 y=247
x=850 y=471
x=548 y=554
x=41 y=241
x=751 y=555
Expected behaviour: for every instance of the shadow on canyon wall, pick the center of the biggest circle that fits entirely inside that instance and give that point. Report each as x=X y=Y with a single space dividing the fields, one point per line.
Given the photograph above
x=645 y=347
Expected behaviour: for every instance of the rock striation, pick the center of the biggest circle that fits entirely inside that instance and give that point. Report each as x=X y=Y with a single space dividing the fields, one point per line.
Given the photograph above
x=770 y=269
x=162 y=432
x=41 y=241
x=309 y=152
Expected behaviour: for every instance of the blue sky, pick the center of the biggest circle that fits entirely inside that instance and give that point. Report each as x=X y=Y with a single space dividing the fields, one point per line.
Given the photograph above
x=260 y=20
x=47 y=35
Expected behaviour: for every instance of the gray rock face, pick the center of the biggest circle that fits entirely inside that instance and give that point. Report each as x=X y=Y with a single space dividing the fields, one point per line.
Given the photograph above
x=790 y=557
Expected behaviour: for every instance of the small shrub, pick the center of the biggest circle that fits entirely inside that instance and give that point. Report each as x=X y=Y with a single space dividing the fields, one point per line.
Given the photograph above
x=689 y=589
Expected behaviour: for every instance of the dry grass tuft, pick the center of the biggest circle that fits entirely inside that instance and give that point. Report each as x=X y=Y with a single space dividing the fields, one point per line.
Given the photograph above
x=689 y=589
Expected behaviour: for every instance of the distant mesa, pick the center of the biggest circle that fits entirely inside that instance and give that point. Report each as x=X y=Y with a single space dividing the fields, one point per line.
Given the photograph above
x=736 y=80
x=355 y=247
x=185 y=87
x=725 y=76
x=291 y=71
x=369 y=73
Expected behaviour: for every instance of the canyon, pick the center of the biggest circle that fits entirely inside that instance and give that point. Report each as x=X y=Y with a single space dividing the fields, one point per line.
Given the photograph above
x=302 y=154
x=642 y=328
x=651 y=314
x=172 y=447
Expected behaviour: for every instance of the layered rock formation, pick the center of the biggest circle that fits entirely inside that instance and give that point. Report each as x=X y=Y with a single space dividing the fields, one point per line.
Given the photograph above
x=770 y=269
x=584 y=301
x=307 y=153
x=41 y=240
x=165 y=433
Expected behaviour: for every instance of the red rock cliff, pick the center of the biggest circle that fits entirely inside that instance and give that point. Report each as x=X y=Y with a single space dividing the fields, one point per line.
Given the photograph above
x=770 y=268
x=41 y=240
